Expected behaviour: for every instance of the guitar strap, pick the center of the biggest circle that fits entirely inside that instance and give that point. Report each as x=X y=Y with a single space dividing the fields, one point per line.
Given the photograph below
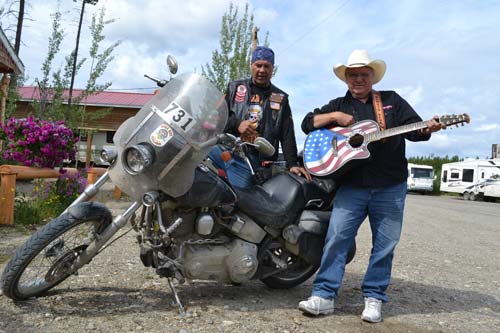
x=378 y=109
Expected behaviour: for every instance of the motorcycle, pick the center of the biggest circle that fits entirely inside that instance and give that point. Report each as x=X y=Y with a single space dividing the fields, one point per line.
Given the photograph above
x=190 y=222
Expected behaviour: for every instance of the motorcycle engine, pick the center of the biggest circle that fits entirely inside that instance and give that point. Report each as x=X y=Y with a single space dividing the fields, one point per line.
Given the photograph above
x=235 y=261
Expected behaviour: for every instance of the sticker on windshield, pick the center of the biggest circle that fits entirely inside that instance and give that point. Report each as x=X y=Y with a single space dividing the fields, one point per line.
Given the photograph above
x=161 y=135
x=175 y=115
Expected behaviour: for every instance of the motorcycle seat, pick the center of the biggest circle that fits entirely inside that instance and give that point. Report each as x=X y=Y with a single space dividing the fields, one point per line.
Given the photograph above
x=276 y=203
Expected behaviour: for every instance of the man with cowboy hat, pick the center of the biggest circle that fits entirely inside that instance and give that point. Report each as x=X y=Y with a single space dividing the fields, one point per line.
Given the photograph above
x=258 y=108
x=375 y=189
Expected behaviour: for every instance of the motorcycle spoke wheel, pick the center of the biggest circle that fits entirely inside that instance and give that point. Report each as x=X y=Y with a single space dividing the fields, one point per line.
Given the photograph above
x=47 y=258
x=53 y=264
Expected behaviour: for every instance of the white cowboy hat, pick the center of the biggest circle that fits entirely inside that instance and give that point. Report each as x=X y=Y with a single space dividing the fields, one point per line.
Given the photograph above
x=360 y=58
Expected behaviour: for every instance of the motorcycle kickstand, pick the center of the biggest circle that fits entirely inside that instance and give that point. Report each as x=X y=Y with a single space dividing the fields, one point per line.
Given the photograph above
x=177 y=301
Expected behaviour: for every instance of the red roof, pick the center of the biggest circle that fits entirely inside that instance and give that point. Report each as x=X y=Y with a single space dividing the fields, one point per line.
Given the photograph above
x=104 y=98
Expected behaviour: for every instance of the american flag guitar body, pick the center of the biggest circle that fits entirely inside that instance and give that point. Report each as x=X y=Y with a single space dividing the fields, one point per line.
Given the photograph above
x=326 y=150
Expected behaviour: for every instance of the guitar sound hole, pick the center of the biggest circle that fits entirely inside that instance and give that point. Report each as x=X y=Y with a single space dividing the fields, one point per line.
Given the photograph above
x=356 y=140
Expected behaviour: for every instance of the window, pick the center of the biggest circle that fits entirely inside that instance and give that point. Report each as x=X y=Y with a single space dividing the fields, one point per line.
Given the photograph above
x=83 y=135
x=421 y=173
x=455 y=175
x=109 y=136
x=468 y=175
x=445 y=176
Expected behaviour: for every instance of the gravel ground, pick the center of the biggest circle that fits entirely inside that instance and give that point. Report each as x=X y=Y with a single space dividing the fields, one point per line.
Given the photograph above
x=446 y=278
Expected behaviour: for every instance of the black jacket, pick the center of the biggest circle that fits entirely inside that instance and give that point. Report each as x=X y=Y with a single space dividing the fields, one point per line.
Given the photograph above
x=276 y=124
x=387 y=164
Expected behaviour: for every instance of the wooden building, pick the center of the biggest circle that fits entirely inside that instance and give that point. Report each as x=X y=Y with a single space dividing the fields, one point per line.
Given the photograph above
x=123 y=105
x=9 y=63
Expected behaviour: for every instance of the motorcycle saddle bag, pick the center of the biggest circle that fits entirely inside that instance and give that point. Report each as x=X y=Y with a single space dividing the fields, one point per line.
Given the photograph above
x=275 y=203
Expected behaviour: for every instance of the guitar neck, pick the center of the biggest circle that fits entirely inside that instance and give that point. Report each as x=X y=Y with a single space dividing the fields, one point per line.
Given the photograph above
x=375 y=136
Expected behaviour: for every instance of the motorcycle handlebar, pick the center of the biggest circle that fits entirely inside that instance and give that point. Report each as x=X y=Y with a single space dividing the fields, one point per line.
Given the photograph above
x=159 y=83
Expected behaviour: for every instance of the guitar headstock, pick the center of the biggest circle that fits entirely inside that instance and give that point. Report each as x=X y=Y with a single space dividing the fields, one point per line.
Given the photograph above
x=454 y=119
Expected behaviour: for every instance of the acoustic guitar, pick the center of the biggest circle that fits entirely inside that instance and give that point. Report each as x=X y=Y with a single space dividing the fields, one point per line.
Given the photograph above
x=327 y=150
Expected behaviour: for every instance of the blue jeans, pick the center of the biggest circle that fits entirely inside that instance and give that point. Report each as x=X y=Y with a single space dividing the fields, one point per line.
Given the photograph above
x=384 y=207
x=237 y=170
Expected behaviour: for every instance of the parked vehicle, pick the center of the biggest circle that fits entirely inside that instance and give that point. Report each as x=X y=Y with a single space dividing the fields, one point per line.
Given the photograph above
x=420 y=178
x=468 y=177
x=191 y=223
x=491 y=189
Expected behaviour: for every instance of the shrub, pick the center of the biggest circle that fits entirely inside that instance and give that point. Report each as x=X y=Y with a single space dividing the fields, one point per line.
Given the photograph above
x=58 y=195
x=26 y=211
x=49 y=198
x=38 y=143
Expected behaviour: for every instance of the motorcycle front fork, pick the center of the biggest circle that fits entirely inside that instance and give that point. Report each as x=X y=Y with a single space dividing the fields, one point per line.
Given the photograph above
x=118 y=222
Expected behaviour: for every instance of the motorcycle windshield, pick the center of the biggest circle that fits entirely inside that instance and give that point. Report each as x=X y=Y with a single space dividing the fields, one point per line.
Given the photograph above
x=175 y=124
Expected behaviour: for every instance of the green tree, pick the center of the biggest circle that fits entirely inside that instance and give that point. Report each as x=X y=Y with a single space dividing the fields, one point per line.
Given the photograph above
x=232 y=60
x=53 y=83
x=43 y=109
x=100 y=60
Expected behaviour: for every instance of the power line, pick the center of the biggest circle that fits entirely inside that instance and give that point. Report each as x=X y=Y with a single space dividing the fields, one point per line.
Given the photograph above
x=317 y=25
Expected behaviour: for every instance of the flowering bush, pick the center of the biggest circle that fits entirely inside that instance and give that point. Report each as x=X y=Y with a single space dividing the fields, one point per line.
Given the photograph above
x=38 y=143
x=54 y=197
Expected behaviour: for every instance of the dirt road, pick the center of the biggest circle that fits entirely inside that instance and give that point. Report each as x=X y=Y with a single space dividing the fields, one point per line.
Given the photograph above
x=446 y=278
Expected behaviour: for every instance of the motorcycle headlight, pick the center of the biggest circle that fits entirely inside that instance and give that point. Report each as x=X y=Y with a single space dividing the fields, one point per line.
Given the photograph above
x=137 y=158
x=108 y=155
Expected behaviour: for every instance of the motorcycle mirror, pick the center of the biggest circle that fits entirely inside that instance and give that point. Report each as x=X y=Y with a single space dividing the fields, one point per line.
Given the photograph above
x=264 y=147
x=172 y=64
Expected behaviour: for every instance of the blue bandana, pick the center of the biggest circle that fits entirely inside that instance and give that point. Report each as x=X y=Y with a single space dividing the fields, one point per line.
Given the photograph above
x=263 y=53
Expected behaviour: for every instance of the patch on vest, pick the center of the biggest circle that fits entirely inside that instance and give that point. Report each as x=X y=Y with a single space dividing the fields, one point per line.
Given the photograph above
x=276 y=100
x=240 y=93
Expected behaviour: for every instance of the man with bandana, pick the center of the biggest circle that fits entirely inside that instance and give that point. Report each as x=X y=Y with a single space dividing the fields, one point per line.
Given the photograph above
x=258 y=108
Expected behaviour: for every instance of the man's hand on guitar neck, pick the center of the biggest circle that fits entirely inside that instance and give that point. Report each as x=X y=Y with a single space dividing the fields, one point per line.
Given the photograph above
x=433 y=125
x=337 y=117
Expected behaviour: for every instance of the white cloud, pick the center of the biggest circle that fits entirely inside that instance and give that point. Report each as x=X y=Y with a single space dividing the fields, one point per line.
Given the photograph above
x=486 y=128
x=412 y=95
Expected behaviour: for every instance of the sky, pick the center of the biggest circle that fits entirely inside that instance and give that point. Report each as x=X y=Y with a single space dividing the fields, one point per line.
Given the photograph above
x=441 y=56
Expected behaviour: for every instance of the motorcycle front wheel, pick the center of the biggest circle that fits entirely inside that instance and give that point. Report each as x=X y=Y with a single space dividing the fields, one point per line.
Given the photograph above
x=46 y=259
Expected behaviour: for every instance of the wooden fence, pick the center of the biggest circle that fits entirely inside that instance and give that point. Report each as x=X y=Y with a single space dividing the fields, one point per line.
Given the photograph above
x=10 y=173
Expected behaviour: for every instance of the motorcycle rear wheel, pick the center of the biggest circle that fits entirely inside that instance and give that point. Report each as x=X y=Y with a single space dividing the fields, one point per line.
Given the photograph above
x=46 y=258
x=297 y=271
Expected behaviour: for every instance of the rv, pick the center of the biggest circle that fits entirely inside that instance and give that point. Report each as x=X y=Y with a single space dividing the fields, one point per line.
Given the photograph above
x=100 y=140
x=420 y=178
x=491 y=189
x=469 y=178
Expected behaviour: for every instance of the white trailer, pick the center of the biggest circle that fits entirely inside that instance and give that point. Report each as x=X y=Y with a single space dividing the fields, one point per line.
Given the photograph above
x=100 y=140
x=491 y=189
x=420 y=178
x=469 y=177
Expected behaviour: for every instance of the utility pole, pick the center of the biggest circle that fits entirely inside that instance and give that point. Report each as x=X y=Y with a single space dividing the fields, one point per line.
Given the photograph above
x=73 y=72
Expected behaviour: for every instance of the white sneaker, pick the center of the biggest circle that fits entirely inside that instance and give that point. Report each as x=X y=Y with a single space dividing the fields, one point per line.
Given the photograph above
x=316 y=305
x=373 y=310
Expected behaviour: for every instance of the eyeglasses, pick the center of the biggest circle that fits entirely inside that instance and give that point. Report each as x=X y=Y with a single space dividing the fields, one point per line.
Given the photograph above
x=354 y=76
